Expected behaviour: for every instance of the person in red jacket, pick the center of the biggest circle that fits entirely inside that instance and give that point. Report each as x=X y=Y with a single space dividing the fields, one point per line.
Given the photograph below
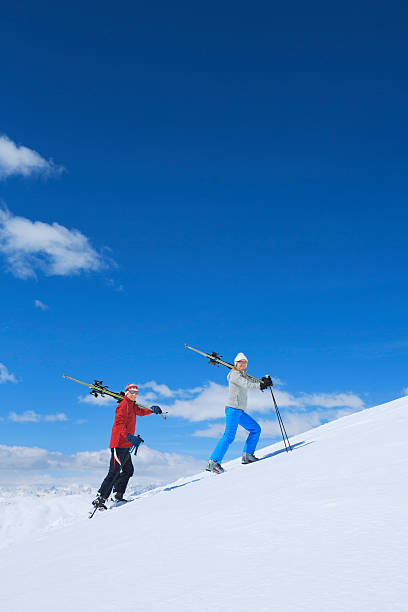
x=121 y=462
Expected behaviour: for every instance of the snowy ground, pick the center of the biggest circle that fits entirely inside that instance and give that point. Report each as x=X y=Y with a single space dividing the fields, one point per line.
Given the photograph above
x=321 y=529
x=27 y=512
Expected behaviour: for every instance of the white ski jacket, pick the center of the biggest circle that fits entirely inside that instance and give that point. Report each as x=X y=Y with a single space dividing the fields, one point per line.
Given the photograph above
x=239 y=383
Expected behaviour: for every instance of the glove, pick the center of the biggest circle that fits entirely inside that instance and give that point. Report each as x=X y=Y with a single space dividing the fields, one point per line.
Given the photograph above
x=135 y=441
x=156 y=409
x=266 y=381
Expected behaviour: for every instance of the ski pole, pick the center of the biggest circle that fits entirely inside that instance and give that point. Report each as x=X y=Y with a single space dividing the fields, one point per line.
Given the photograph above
x=281 y=425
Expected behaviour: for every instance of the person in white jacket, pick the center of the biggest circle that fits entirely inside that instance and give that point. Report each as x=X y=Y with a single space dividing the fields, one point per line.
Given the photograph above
x=239 y=383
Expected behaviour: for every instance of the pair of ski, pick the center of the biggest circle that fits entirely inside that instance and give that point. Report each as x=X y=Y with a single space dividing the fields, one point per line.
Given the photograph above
x=99 y=389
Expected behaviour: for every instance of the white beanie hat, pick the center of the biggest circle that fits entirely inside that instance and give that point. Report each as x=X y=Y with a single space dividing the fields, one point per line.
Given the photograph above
x=239 y=357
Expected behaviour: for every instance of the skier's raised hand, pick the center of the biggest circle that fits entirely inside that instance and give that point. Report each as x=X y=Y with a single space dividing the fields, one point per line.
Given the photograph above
x=266 y=381
x=156 y=409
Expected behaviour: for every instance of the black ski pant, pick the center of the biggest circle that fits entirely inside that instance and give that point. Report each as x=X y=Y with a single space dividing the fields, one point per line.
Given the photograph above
x=120 y=460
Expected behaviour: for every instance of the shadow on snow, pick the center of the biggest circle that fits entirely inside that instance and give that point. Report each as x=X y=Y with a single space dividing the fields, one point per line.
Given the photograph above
x=283 y=450
x=278 y=452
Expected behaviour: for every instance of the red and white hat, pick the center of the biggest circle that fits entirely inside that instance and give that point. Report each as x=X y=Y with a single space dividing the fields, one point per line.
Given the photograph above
x=131 y=387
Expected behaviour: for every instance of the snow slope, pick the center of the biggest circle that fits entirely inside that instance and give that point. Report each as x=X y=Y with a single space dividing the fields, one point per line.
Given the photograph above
x=25 y=511
x=323 y=528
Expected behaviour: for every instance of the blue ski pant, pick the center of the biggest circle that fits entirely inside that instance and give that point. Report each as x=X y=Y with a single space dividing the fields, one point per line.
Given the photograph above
x=236 y=417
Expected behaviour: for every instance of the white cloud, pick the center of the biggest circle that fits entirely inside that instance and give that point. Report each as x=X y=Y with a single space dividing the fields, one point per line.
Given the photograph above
x=30 y=416
x=150 y=397
x=262 y=402
x=33 y=458
x=294 y=423
x=278 y=381
x=165 y=466
x=405 y=391
x=161 y=390
x=209 y=402
x=212 y=431
x=33 y=463
x=41 y=305
x=114 y=285
x=97 y=401
x=20 y=160
x=5 y=375
x=52 y=248
x=331 y=400
x=53 y=418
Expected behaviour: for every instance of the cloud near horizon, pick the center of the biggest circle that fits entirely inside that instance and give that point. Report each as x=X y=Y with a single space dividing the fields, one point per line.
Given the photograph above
x=20 y=160
x=53 y=249
x=29 y=416
x=32 y=463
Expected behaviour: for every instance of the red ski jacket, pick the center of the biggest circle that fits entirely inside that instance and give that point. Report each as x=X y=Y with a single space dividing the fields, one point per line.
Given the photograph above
x=125 y=422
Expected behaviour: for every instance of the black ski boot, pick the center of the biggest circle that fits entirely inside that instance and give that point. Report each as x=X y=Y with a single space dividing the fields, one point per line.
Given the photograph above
x=99 y=502
x=119 y=498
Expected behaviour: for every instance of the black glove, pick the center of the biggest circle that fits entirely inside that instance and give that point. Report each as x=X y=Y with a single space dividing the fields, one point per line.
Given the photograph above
x=135 y=441
x=266 y=381
x=156 y=409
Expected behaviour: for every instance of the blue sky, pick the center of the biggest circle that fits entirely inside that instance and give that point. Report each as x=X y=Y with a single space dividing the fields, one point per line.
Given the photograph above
x=229 y=176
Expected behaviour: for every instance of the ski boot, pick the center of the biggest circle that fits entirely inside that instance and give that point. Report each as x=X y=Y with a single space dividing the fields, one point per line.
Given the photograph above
x=119 y=498
x=99 y=502
x=248 y=458
x=214 y=466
